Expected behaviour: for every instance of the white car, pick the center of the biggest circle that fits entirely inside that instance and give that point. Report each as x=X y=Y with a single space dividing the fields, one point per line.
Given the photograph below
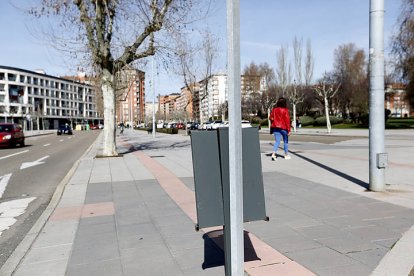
x=245 y=123
x=216 y=124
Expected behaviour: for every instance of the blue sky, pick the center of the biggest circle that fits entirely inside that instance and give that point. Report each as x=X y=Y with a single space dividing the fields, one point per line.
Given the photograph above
x=265 y=26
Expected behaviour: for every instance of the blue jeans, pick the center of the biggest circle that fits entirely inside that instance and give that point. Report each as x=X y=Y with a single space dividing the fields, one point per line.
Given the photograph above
x=279 y=133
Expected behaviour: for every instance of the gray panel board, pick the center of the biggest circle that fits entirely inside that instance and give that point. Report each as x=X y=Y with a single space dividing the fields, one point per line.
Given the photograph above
x=207 y=155
x=207 y=178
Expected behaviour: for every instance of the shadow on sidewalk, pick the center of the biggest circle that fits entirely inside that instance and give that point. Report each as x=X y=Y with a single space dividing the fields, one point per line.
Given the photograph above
x=332 y=170
x=214 y=249
x=153 y=145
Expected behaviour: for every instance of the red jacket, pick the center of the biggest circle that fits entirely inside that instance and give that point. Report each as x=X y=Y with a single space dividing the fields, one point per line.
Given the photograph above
x=280 y=118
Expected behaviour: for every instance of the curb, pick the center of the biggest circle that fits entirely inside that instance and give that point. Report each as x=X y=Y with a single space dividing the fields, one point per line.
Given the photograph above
x=24 y=246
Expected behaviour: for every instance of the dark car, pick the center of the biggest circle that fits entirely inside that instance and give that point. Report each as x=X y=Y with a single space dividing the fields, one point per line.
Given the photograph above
x=11 y=134
x=64 y=129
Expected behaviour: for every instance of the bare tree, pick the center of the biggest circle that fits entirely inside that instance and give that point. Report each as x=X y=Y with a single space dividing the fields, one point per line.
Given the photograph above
x=403 y=47
x=325 y=92
x=283 y=69
x=116 y=33
x=193 y=69
x=303 y=75
x=350 y=70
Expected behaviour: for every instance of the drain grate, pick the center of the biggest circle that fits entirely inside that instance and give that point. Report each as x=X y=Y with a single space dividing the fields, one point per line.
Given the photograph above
x=156 y=156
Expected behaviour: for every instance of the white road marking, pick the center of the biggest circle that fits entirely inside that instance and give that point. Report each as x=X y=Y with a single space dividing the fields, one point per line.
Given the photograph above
x=34 y=163
x=10 y=155
x=3 y=183
x=9 y=210
x=45 y=145
x=61 y=140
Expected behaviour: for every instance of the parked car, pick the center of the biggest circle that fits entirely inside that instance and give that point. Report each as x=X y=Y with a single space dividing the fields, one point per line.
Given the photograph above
x=206 y=125
x=180 y=126
x=245 y=123
x=194 y=125
x=65 y=129
x=11 y=134
x=216 y=124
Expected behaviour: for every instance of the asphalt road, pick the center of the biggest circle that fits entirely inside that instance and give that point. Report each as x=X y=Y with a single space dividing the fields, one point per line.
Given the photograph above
x=29 y=177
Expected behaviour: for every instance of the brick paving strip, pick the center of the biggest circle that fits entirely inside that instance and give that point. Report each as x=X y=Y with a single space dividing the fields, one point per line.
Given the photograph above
x=270 y=262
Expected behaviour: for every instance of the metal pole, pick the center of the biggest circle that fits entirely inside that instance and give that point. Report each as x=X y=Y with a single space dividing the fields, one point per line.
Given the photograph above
x=153 y=97
x=234 y=223
x=377 y=155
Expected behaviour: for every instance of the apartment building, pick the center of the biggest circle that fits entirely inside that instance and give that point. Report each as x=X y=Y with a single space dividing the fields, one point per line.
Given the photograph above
x=211 y=97
x=40 y=101
x=131 y=97
x=396 y=100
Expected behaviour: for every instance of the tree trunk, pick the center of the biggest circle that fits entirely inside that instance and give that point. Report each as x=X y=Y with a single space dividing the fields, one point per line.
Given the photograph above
x=109 y=143
x=294 y=117
x=328 y=121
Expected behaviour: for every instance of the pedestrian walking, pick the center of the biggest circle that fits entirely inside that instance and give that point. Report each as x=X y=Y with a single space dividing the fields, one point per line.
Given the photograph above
x=122 y=126
x=280 y=127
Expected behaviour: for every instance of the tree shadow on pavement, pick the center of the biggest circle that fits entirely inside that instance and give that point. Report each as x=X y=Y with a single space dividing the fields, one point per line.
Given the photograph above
x=151 y=145
x=332 y=170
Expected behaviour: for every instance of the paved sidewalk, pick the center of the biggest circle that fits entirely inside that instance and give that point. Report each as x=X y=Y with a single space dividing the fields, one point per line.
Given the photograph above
x=135 y=214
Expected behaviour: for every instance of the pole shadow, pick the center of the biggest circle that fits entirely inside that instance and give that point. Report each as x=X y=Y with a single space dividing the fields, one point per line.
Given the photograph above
x=332 y=170
x=214 y=249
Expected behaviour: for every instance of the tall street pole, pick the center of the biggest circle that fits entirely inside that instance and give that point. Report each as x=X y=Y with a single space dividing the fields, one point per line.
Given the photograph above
x=377 y=155
x=233 y=229
x=153 y=98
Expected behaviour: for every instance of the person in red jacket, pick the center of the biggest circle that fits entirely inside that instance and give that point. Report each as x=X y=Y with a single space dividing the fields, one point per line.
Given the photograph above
x=280 y=127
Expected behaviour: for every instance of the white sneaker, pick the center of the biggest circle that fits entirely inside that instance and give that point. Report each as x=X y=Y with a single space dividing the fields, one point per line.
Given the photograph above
x=287 y=157
x=274 y=157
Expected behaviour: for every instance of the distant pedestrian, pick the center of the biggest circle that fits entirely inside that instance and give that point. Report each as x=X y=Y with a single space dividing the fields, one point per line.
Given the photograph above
x=280 y=127
x=122 y=126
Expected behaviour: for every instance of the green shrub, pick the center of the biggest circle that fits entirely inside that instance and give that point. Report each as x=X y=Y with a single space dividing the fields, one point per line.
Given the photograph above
x=321 y=121
x=306 y=120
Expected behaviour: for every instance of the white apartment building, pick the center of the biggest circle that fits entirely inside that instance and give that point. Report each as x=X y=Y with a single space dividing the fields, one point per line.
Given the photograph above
x=212 y=95
x=44 y=101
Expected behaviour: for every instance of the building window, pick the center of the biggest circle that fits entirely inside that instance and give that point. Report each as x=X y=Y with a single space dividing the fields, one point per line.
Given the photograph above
x=22 y=78
x=1 y=76
x=11 y=77
x=35 y=81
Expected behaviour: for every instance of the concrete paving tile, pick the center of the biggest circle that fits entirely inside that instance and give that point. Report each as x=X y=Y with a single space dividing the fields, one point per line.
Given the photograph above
x=388 y=243
x=354 y=270
x=146 y=251
x=373 y=233
x=271 y=229
x=320 y=258
x=136 y=168
x=154 y=266
x=346 y=221
x=319 y=231
x=119 y=170
x=178 y=229
x=104 y=268
x=189 y=182
x=49 y=268
x=57 y=232
x=74 y=195
x=346 y=243
x=101 y=248
x=371 y=258
x=135 y=229
x=190 y=258
x=211 y=271
x=292 y=244
x=49 y=253
x=168 y=220
x=130 y=242
x=184 y=242
x=99 y=192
